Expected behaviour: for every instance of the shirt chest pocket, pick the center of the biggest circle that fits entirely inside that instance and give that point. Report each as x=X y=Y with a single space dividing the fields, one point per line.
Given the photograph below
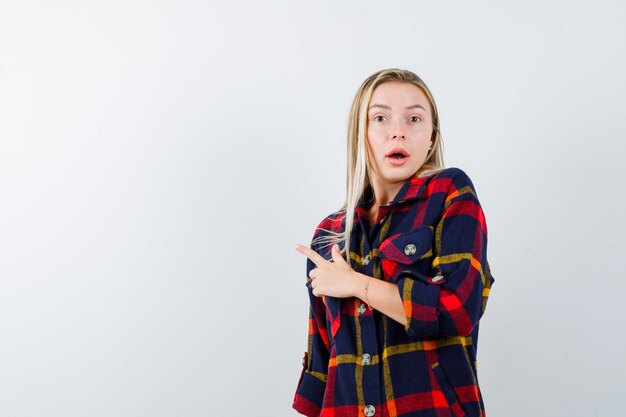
x=409 y=253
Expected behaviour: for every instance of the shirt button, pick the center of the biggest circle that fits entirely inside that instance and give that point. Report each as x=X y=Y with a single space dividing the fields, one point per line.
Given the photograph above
x=366 y=359
x=437 y=278
x=366 y=260
x=361 y=308
x=382 y=219
x=410 y=249
x=369 y=410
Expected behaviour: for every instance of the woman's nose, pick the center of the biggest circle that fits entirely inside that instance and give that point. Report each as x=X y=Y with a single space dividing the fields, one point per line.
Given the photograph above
x=397 y=130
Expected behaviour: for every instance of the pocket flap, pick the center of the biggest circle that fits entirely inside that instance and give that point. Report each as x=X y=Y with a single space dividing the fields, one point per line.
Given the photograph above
x=408 y=247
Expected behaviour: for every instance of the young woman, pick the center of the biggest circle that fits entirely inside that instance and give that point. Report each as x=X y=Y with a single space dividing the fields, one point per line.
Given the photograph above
x=393 y=319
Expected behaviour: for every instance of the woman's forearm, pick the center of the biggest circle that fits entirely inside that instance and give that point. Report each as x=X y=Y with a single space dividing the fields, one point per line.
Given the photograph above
x=381 y=295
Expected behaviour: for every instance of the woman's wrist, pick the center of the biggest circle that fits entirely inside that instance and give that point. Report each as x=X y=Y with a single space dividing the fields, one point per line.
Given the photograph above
x=360 y=282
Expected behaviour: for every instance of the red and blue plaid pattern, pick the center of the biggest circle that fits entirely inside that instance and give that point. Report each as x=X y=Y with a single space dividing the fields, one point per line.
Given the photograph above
x=432 y=242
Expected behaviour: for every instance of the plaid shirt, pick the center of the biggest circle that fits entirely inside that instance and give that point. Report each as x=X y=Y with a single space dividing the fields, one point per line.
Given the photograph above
x=432 y=242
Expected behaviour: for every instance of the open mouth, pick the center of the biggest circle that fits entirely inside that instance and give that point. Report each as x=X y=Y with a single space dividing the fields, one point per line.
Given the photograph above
x=397 y=153
x=397 y=156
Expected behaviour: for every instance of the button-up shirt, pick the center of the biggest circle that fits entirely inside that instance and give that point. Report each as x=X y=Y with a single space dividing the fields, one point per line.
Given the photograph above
x=431 y=241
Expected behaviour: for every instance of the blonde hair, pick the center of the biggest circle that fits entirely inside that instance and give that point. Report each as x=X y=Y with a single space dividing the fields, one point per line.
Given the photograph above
x=357 y=179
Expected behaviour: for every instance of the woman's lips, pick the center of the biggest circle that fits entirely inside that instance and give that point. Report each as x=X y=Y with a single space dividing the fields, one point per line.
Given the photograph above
x=397 y=161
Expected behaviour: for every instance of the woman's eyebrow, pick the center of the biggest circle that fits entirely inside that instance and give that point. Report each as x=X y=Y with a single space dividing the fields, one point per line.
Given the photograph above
x=383 y=106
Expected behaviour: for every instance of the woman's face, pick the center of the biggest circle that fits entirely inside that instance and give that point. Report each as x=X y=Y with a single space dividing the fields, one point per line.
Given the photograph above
x=399 y=118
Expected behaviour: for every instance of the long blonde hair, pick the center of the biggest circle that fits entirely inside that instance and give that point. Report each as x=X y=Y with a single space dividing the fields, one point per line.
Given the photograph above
x=357 y=179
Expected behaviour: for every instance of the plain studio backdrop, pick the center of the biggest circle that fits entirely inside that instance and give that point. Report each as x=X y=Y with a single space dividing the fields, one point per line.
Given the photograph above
x=159 y=161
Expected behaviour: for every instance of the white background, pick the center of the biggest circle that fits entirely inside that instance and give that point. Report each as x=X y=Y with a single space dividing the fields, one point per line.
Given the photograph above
x=160 y=159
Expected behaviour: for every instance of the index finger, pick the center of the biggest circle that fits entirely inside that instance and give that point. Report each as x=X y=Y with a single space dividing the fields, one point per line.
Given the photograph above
x=315 y=257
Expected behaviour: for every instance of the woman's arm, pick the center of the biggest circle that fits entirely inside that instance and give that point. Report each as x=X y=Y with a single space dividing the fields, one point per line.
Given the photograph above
x=338 y=279
x=381 y=295
x=309 y=393
x=451 y=302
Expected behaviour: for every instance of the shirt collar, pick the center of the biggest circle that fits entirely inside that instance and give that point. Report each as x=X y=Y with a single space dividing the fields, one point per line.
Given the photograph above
x=410 y=190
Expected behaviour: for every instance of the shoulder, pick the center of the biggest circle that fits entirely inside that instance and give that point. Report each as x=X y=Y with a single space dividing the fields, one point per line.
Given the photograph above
x=333 y=221
x=454 y=181
x=452 y=173
x=327 y=228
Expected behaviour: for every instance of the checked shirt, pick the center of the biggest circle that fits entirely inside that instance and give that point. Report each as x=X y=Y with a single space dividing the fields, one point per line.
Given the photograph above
x=431 y=241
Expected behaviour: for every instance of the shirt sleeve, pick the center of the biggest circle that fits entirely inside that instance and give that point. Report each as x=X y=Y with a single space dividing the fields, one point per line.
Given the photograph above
x=312 y=384
x=450 y=301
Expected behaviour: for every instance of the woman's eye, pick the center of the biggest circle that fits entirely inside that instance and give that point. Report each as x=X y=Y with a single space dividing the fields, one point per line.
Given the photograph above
x=415 y=119
x=379 y=118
